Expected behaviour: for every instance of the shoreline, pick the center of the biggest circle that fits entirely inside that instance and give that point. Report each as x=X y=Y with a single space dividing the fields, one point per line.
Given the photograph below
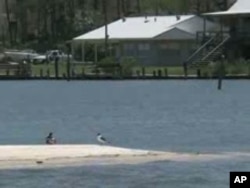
x=52 y=156
x=135 y=78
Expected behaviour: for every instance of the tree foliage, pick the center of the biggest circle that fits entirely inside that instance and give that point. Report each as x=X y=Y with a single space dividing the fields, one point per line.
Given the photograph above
x=49 y=22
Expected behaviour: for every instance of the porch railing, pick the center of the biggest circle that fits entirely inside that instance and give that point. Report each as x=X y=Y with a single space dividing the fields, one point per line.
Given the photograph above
x=214 y=39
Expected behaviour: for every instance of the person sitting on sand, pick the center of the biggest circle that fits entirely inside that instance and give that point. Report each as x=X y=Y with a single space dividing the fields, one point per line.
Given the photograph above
x=50 y=139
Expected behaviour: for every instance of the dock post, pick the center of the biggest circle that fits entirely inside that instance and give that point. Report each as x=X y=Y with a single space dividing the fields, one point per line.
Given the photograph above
x=56 y=67
x=143 y=71
x=185 y=69
x=154 y=73
x=221 y=72
x=68 y=61
x=41 y=73
x=48 y=73
x=198 y=73
x=159 y=73
x=166 y=72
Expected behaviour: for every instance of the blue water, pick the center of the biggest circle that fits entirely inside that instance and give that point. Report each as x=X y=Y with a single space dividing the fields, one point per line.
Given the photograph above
x=183 y=116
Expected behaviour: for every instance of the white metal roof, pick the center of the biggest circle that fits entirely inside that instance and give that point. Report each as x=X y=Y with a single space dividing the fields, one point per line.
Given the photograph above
x=145 y=28
x=240 y=7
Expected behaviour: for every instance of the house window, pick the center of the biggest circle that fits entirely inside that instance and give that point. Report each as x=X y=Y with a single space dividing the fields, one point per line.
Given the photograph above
x=143 y=47
x=163 y=46
x=174 y=46
x=129 y=47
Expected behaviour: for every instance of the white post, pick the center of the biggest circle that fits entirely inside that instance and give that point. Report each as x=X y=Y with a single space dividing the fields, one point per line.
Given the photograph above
x=83 y=51
x=73 y=49
x=96 y=50
x=121 y=51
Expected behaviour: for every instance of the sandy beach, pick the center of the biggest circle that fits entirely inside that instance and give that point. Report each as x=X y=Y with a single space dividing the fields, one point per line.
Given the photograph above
x=47 y=156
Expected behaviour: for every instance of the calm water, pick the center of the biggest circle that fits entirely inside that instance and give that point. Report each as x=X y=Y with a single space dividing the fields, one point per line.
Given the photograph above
x=183 y=116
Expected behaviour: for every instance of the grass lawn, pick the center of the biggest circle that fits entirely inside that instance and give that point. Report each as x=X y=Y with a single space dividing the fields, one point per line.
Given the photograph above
x=209 y=70
x=62 y=69
x=88 y=69
x=171 y=70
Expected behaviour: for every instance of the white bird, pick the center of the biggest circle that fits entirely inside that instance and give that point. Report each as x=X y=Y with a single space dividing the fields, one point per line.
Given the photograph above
x=101 y=139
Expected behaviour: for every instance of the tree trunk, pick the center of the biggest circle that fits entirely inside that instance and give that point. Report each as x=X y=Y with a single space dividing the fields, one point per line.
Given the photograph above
x=123 y=8
x=39 y=19
x=207 y=6
x=53 y=22
x=128 y=6
x=95 y=4
x=138 y=2
x=8 y=20
x=156 y=7
x=71 y=15
x=118 y=5
x=198 y=7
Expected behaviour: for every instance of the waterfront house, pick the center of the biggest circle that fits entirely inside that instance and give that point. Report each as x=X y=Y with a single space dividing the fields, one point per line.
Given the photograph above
x=232 y=43
x=151 y=40
x=237 y=18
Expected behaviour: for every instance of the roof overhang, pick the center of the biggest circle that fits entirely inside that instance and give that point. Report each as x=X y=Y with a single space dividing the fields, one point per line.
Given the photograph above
x=229 y=13
x=175 y=34
x=110 y=40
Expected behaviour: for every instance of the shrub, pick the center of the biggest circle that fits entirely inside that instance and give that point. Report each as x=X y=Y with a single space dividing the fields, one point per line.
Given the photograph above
x=216 y=69
x=108 y=65
x=239 y=67
x=127 y=65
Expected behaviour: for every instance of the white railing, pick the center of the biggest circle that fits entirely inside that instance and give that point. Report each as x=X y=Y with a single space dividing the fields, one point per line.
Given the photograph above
x=216 y=48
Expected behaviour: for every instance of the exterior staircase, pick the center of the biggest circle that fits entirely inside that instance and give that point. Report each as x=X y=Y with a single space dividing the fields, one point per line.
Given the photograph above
x=210 y=50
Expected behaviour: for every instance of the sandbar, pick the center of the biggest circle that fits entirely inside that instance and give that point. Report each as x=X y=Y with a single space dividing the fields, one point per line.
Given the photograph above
x=50 y=156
